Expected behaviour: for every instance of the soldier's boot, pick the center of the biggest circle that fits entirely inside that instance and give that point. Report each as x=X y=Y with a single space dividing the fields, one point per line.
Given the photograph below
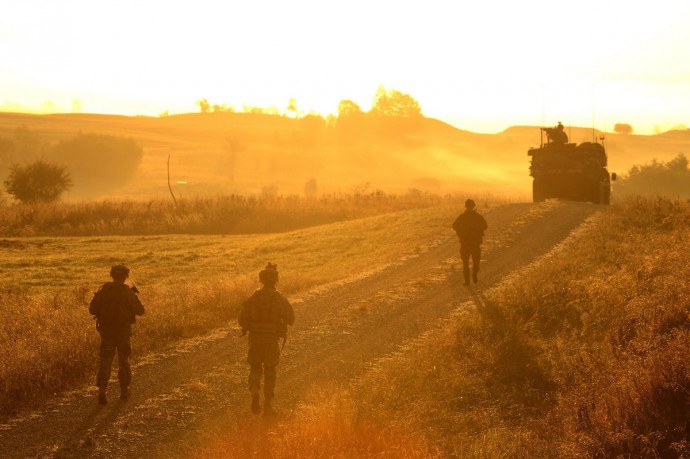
x=268 y=408
x=256 y=405
x=125 y=393
x=474 y=278
x=102 y=396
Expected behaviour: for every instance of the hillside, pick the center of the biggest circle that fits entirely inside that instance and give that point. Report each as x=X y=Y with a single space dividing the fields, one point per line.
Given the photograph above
x=254 y=153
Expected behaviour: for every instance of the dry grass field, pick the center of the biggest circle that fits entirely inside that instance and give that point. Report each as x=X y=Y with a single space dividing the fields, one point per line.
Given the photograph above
x=591 y=363
x=189 y=284
x=232 y=214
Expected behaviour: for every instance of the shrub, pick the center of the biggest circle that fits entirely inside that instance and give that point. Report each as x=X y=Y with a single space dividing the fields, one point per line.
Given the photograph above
x=39 y=181
x=658 y=178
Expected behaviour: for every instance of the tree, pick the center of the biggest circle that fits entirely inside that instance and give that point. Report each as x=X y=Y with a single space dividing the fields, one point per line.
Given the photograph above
x=395 y=103
x=311 y=188
x=292 y=108
x=658 y=178
x=351 y=121
x=623 y=128
x=39 y=181
x=348 y=108
x=204 y=105
x=233 y=146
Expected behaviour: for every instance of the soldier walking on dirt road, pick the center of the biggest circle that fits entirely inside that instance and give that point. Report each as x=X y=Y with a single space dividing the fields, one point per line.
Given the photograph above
x=115 y=306
x=470 y=227
x=265 y=315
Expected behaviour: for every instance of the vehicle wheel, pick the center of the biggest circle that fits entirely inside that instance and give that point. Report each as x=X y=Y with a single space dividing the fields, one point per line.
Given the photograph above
x=596 y=197
x=606 y=200
x=537 y=191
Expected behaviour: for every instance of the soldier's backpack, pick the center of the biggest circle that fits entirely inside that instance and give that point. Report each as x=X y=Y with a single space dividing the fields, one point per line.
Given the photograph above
x=113 y=306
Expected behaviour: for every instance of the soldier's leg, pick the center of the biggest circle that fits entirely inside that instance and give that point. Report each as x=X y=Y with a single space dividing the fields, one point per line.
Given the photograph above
x=106 y=354
x=272 y=359
x=256 y=365
x=124 y=372
x=476 y=257
x=269 y=381
x=465 y=257
x=255 y=373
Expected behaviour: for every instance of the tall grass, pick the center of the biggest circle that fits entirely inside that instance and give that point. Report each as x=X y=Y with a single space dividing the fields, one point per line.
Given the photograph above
x=190 y=285
x=50 y=343
x=324 y=425
x=583 y=355
x=232 y=214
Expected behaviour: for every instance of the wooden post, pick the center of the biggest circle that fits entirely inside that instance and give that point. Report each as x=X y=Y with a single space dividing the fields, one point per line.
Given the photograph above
x=170 y=187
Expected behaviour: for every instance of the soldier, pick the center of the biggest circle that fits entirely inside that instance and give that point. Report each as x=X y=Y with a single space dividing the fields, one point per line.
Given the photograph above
x=265 y=315
x=470 y=227
x=556 y=134
x=115 y=306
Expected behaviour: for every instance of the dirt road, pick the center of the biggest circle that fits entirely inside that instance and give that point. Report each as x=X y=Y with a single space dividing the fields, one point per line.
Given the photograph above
x=182 y=396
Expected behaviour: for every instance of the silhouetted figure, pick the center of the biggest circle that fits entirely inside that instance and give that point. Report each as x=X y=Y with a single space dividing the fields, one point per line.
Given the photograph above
x=265 y=315
x=115 y=306
x=470 y=227
x=556 y=134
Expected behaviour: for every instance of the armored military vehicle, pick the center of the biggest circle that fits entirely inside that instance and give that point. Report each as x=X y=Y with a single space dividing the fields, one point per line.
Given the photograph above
x=568 y=171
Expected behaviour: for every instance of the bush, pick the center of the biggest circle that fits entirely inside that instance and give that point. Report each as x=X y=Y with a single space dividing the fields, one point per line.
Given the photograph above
x=658 y=178
x=39 y=181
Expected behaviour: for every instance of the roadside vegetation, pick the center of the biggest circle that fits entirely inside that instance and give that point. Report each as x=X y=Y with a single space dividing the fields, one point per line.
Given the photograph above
x=657 y=178
x=584 y=354
x=190 y=284
x=233 y=214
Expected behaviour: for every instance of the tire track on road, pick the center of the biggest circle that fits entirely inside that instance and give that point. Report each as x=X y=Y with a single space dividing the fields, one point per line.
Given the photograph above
x=183 y=397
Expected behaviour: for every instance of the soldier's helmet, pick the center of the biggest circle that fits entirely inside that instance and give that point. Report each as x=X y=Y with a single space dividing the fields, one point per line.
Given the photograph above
x=269 y=275
x=119 y=271
x=470 y=204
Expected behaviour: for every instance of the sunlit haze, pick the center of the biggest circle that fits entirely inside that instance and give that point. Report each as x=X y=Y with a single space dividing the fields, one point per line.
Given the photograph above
x=482 y=66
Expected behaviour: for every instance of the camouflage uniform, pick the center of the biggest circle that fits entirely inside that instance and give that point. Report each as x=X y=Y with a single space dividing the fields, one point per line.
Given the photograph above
x=470 y=227
x=265 y=315
x=115 y=306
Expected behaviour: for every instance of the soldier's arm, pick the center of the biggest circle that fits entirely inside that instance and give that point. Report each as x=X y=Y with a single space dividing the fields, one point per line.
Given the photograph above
x=95 y=304
x=243 y=318
x=456 y=225
x=137 y=306
x=288 y=312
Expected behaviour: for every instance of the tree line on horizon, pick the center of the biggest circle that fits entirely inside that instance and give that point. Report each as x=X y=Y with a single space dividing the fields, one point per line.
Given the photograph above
x=387 y=102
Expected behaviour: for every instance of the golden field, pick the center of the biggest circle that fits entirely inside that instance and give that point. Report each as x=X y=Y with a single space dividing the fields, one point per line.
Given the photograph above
x=189 y=283
x=592 y=363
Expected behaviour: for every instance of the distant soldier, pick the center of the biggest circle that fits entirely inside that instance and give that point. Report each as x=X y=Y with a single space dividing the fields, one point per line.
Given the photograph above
x=556 y=134
x=470 y=227
x=265 y=315
x=115 y=307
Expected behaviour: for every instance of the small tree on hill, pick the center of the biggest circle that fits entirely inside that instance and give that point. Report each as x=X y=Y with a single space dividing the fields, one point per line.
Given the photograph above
x=623 y=128
x=39 y=181
x=204 y=105
x=395 y=103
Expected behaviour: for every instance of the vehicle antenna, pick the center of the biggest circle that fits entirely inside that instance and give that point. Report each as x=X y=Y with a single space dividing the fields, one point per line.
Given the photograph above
x=594 y=136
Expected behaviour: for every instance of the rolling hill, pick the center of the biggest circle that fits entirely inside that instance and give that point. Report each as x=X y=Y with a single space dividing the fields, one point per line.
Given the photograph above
x=220 y=153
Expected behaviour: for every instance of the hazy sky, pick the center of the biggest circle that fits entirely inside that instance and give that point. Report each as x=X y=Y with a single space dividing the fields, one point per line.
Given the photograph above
x=482 y=65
